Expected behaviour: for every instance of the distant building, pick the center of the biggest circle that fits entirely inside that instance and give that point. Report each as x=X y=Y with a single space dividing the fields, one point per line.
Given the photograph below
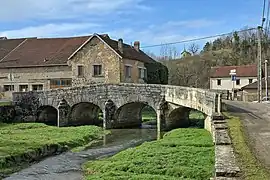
x=185 y=53
x=32 y=64
x=220 y=78
x=250 y=91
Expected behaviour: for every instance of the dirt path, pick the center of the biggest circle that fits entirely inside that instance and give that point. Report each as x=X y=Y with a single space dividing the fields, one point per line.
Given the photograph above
x=256 y=119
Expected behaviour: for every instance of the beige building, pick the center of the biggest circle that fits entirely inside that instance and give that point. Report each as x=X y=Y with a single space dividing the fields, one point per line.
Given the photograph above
x=250 y=91
x=220 y=78
x=32 y=64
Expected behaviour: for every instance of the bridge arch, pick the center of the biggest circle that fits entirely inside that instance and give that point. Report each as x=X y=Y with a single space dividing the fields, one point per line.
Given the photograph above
x=47 y=114
x=178 y=118
x=130 y=114
x=85 y=113
x=197 y=118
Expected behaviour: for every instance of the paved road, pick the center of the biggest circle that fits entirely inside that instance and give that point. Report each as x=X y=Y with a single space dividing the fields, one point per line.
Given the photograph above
x=256 y=119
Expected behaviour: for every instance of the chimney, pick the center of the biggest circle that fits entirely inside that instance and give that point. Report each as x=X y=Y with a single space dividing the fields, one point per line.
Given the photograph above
x=120 y=45
x=137 y=45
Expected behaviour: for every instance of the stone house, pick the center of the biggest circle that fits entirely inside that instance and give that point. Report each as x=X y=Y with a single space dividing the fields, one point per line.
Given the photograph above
x=250 y=91
x=32 y=64
x=220 y=78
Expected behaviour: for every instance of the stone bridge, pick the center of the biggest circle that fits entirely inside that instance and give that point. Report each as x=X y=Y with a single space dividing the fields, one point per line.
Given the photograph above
x=120 y=104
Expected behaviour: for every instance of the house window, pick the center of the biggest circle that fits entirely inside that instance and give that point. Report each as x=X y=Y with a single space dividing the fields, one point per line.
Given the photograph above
x=219 y=82
x=97 y=70
x=237 y=81
x=142 y=73
x=37 y=87
x=128 y=71
x=23 y=88
x=250 y=81
x=59 y=83
x=8 y=88
x=80 y=71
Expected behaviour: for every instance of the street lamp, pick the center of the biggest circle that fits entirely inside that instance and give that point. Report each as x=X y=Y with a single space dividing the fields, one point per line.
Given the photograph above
x=233 y=78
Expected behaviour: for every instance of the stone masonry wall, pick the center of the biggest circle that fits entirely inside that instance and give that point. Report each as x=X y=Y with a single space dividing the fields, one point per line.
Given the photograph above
x=225 y=163
x=122 y=94
x=134 y=71
x=95 y=52
x=31 y=76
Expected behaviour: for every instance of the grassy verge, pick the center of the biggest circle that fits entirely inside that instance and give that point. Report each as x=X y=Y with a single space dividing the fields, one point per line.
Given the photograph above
x=5 y=103
x=181 y=154
x=18 y=140
x=196 y=119
x=148 y=115
x=250 y=167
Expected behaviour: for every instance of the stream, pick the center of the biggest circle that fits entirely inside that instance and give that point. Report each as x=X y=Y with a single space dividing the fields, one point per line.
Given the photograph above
x=67 y=166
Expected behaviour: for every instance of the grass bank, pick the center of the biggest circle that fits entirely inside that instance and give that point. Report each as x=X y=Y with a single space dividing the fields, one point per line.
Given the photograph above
x=196 y=119
x=25 y=142
x=249 y=165
x=148 y=114
x=181 y=154
x=6 y=103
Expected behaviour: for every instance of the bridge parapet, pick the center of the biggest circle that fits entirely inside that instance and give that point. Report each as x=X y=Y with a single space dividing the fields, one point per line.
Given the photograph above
x=153 y=95
x=195 y=98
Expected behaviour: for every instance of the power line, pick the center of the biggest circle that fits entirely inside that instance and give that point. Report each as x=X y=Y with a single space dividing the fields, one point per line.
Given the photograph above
x=197 y=39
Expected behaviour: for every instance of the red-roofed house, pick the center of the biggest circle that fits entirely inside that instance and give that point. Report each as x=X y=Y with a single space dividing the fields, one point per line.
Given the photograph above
x=28 y=64
x=220 y=78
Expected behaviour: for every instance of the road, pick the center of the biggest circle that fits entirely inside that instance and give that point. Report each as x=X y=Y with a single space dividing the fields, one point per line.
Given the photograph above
x=256 y=119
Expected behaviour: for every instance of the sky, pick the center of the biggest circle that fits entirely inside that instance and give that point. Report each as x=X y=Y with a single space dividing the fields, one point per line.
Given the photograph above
x=149 y=21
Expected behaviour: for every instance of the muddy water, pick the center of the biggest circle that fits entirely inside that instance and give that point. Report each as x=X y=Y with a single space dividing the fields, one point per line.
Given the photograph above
x=67 y=166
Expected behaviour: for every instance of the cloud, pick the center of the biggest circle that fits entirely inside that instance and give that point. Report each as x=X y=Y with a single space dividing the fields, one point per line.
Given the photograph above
x=51 y=30
x=164 y=33
x=197 y=23
x=16 y=10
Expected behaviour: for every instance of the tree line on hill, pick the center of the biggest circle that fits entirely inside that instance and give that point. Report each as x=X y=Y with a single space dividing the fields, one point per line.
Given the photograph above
x=237 y=48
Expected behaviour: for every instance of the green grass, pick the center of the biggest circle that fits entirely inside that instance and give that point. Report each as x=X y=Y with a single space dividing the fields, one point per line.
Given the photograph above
x=18 y=139
x=5 y=103
x=148 y=115
x=196 y=115
x=249 y=165
x=181 y=154
x=196 y=119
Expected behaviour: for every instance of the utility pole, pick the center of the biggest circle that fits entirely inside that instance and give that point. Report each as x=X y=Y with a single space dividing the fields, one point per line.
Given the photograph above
x=266 y=79
x=259 y=64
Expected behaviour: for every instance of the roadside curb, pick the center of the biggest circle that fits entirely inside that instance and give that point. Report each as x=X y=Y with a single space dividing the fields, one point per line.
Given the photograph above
x=226 y=167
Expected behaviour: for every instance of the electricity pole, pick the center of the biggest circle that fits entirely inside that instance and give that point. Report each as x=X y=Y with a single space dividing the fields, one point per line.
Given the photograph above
x=266 y=79
x=259 y=64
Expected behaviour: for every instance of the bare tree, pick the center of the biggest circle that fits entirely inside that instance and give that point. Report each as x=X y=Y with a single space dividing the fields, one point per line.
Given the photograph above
x=152 y=55
x=193 y=48
x=168 y=52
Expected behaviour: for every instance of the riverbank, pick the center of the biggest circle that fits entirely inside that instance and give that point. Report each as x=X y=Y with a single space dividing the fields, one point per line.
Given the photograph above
x=68 y=165
x=250 y=167
x=24 y=143
x=181 y=154
x=5 y=103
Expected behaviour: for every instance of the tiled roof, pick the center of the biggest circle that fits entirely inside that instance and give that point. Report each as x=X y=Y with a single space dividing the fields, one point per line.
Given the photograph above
x=54 y=51
x=8 y=45
x=46 y=51
x=129 y=52
x=241 y=71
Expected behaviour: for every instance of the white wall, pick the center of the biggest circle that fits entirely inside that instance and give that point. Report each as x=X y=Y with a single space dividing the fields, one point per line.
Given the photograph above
x=226 y=83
